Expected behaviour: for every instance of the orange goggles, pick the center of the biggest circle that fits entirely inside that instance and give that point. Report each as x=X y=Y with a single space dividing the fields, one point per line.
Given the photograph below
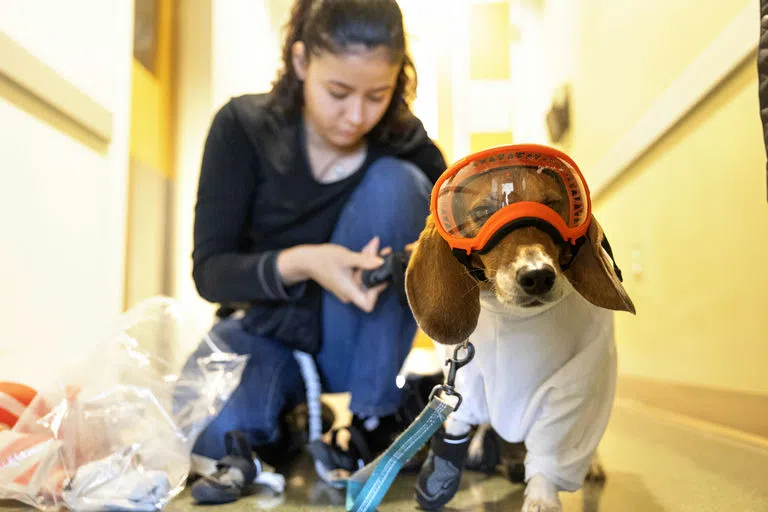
x=489 y=193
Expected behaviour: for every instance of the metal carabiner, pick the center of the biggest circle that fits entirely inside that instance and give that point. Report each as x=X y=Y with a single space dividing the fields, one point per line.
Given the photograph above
x=454 y=364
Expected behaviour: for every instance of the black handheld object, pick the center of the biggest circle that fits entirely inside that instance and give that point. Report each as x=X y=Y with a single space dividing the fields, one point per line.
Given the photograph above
x=393 y=269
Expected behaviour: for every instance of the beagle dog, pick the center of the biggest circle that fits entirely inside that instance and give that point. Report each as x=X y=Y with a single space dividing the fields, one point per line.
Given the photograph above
x=539 y=313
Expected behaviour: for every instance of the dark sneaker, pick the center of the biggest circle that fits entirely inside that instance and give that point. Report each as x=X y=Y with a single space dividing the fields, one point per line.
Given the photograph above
x=234 y=473
x=333 y=462
x=294 y=432
x=440 y=475
x=415 y=397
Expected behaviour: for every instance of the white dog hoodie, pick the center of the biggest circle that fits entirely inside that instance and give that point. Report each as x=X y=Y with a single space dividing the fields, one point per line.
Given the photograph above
x=548 y=380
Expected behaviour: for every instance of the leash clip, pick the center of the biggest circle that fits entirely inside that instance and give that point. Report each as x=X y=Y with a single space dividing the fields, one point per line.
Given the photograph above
x=454 y=363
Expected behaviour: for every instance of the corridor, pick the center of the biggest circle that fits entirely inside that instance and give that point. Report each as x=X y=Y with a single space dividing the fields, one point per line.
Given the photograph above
x=655 y=462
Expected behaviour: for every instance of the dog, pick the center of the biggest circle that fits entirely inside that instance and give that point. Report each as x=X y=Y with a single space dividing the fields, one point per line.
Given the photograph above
x=544 y=372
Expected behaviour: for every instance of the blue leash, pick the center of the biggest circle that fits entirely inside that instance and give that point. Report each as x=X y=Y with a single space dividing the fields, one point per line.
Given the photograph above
x=368 y=486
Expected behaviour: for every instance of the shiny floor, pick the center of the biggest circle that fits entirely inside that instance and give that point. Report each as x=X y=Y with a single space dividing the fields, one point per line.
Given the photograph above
x=654 y=463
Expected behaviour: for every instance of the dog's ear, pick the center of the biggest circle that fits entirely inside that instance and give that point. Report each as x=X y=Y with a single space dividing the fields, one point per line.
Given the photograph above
x=444 y=299
x=595 y=275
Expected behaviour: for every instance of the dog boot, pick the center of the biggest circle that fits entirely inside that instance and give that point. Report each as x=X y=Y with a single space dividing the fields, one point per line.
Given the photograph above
x=440 y=475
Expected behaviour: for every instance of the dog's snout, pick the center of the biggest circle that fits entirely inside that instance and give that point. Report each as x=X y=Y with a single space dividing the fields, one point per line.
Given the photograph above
x=536 y=281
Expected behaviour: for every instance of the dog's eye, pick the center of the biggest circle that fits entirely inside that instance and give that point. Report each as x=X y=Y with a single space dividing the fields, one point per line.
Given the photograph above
x=481 y=213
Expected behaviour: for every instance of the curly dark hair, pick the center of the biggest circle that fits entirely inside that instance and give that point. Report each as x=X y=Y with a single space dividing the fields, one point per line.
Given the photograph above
x=334 y=26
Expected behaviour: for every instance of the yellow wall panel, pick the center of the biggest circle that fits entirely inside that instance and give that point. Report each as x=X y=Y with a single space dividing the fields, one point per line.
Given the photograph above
x=693 y=210
x=152 y=100
x=691 y=213
x=148 y=120
x=151 y=171
x=480 y=141
x=489 y=41
x=422 y=341
x=628 y=53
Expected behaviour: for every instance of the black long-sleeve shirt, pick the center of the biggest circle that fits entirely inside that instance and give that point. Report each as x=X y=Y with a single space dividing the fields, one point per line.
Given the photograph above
x=256 y=197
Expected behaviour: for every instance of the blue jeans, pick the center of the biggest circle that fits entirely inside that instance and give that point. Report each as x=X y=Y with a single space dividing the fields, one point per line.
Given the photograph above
x=361 y=353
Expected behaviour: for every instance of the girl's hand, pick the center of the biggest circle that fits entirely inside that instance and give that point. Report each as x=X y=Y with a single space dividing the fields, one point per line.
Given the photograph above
x=339 y=270
x=372 y=248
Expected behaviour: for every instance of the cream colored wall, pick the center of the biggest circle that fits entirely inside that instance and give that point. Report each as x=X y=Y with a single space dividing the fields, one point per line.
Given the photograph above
x=427 y=43
x=62 y=203
x=627 y=53
x=226 y=48
x=433 y=49
x=694 y=208
x=246 y=46
x=194 y=108
x=691 y=214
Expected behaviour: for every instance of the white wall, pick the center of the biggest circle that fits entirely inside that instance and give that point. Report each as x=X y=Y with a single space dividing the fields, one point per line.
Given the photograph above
x=226 y=48
x=427 y=37
x=246 y=48
x=545 y=52
x=62 y=204
x=194 y=107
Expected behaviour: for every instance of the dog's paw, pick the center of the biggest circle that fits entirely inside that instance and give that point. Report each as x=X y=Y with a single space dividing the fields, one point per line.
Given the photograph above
x=596 y=473
x=541 y=496
x=484 y=454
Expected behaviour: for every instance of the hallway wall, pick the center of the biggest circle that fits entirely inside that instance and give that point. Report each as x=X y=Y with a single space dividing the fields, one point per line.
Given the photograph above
x=62 y=189
x=224 y=49
x=151 y=180
x=688 y=221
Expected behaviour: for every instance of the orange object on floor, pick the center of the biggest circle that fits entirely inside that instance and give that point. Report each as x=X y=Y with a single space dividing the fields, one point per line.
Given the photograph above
x=14 y=398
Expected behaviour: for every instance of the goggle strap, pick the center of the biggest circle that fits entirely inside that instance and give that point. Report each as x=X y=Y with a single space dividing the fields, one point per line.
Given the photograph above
x=522 y=223
x=574 y=251
x=465 y=259
x=607 y=247
x=479 y=274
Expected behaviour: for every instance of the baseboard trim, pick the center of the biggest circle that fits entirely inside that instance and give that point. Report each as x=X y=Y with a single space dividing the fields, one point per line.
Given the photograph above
x=744 y=412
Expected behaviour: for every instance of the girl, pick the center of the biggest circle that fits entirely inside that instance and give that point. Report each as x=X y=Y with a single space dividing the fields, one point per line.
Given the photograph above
x=300 y=190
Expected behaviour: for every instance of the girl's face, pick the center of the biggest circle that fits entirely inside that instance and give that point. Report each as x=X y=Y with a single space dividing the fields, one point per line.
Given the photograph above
x=345 y=95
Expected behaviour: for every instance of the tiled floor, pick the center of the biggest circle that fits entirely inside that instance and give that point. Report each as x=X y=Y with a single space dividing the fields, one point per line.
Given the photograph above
x=653 y=465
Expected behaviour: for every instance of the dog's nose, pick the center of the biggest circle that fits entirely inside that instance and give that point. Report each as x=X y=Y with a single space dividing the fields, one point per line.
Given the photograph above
x=536 y=281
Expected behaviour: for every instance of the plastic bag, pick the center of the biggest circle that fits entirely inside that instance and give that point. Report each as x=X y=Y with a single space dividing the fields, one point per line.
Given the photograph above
x=117 y=431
